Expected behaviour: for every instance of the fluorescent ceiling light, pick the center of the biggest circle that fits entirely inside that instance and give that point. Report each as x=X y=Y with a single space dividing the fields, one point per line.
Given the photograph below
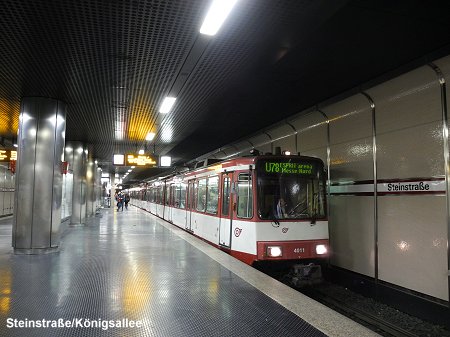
x=141 y=151
x=150 y=136
x=166 y=161
x=216 y=16
x=119 y=159
x=167 y=104
x=166 y=135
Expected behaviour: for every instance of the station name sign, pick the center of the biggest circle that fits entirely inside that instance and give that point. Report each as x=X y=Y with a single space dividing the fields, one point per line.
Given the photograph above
x=140 y=160
x=8 y=155
x=288 y=168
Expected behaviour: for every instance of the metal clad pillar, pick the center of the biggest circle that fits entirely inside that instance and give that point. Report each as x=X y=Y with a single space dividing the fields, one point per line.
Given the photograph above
x=37 y=201
x=79 y=184
x=90 y=181
x=98 y=187
x=446 y=149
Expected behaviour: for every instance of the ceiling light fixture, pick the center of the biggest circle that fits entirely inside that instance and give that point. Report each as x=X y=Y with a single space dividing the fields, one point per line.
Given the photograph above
x=216 y=16
x=141 y=151
x=167 y=104
x=150 y=136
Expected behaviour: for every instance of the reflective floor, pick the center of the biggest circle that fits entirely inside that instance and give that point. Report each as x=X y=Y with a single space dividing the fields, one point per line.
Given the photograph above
x=128 y=266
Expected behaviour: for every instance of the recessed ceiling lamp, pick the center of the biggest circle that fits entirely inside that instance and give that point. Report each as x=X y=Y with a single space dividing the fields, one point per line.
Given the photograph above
x=167 y=104
x=141 y=151
x=216 y=16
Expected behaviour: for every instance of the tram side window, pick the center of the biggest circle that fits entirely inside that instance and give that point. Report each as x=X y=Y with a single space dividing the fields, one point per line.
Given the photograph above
x=176 y=195
x=182 y=195
x=226 y=196
x=166 y=194
x=151 y=196
x=159 y=195
x=245 y=196
x=194 y=194
x=172 y=199
x=179 y=195
x=212 y=199
x=201 y=195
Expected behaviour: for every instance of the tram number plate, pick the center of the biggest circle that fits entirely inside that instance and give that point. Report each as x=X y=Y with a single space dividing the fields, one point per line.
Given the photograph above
x=299 y=250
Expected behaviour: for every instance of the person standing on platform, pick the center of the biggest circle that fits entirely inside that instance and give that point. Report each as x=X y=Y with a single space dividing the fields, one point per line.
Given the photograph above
x=127 y=200
x=119 y=201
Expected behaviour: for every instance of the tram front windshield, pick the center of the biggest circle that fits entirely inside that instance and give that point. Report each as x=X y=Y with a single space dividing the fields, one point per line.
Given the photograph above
x=290 y=189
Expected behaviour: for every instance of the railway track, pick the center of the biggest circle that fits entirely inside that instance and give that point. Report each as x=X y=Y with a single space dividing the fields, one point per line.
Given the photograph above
x=372 y=321
x=381 y=318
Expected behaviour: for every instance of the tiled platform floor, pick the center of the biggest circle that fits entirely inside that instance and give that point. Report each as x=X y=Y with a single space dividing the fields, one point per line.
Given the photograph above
x=132 y=265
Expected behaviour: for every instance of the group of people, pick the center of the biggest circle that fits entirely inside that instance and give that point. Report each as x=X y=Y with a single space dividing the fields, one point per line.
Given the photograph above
x=121 y=200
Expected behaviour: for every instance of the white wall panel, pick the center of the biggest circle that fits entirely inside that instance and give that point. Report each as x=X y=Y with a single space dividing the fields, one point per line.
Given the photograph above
x=313 y=141
x=351 y=218
x=286 y=144
x=308 y=120
x=280 y=131
x=413 y=243
x=261 y=143
x=243 y=147
x=411 y=152
x=230 y=151
x=444 y=66
x=352 y=233
x=351 y=139
x=410 y=146
x=409 y=126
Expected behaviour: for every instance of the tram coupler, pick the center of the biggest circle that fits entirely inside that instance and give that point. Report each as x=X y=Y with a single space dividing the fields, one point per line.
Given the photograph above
x=305 y=274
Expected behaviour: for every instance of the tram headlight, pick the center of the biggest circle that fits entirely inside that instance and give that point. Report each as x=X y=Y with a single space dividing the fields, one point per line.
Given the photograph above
x=274 y=251
x=321 y=249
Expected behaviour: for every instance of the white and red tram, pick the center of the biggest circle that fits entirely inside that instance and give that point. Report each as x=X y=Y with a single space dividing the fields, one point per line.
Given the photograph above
x=260 y=208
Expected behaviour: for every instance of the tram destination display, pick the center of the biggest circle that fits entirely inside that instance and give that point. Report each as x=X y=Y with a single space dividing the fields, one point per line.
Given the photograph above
x=276 y=166
x=140 y=160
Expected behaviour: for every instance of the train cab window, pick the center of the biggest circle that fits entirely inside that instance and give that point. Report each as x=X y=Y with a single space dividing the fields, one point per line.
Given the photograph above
x=226 y=195
x=293 y=194
x=201 y=195
x=212 y=198
x=245 y=196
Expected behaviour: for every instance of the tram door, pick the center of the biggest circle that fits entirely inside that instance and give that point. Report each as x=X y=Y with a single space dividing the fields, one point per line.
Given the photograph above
x=190 y=204
x=169 y=202
x=226 y=218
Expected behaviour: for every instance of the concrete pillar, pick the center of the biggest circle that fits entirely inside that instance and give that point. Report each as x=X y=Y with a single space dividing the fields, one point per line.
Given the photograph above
x=78 y=164
x=37 y=201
